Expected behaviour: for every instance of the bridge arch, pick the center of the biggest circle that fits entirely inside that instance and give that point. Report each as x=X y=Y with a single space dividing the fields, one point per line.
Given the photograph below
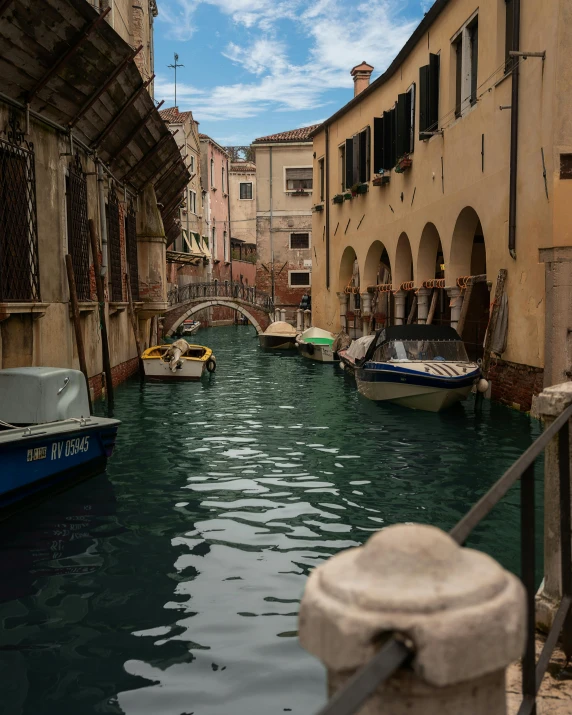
x=175 y=317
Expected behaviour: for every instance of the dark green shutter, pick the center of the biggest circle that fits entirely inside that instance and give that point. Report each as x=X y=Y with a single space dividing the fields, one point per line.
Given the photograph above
x=368 y=153
x=433 y=102
x=474 y=38
x=377 y=145
x=410 y=110
x=389 y=139
x=349 y=162
x=363 y=156
x=356 y=161
x=402 y=125
x=423 y=101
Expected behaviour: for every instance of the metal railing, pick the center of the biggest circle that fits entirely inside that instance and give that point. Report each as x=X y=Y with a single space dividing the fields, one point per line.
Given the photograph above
x=397 y=651
x=221 y=289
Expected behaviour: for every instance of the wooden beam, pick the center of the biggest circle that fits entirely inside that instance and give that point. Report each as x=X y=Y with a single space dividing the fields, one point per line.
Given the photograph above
x=97 y=94
x=499 y=290
x=81 y=38
x=412 y=311
x=77 y=326
x=121 y=112
x=134 y=325
x=465 y=308
x=4 y=5
x=432 y=307
x=131 y=136
x=145 y=158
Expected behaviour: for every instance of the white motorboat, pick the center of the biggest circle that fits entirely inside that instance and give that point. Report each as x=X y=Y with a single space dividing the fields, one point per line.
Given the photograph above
x=179 y=361
x=190 y=327
x=278 y=336
x=424 y=367
x=316 y=344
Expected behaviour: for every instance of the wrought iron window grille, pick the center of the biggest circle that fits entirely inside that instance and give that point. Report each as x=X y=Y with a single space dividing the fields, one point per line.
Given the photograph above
x=78 y=230
x=114 y=244
x=131 y=248
x=19 y=266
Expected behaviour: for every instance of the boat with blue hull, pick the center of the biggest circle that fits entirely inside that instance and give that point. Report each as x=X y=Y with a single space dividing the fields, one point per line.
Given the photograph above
x=424 y=367
x=47 y=437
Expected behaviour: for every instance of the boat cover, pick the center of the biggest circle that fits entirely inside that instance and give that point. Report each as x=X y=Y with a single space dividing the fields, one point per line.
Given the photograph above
x=411 y=332
x=281 y=328
x=358 y=349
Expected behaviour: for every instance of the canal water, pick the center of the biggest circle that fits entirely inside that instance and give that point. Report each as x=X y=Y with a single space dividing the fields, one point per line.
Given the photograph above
x=170 y=584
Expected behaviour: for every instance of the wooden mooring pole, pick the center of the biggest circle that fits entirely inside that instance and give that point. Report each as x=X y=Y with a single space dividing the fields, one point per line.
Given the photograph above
x=101 y=301
x=432 y=307
x=77 y=325
x=134 y=324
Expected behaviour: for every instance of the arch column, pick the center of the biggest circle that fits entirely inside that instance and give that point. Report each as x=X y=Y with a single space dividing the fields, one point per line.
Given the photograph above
x=366 y=312
x=343 y=298
x=456 y=304
x=423 y=305
x=400 y=297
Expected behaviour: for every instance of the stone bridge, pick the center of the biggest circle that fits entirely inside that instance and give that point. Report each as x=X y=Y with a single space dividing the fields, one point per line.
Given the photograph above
x=187 y=300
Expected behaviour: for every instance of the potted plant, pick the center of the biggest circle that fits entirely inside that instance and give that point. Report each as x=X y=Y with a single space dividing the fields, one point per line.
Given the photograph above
x=338 y=199
x=319 y=207
x=348 y=196
x=359 y=188
x=403 y=163
x=300 y=192
x=381 y=180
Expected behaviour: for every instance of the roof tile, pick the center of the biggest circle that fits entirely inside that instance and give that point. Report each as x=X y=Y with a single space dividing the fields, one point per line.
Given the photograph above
x=171 y=115
x=294 y=135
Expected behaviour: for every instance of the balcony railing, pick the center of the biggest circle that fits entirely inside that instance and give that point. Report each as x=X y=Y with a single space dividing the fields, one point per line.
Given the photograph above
x=221 y=289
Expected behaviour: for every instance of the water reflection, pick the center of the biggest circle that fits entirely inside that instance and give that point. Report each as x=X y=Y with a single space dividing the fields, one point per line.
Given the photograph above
x=225 y=494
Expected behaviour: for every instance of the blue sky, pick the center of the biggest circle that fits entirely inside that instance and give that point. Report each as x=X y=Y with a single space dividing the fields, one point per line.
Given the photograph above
x=255 y=67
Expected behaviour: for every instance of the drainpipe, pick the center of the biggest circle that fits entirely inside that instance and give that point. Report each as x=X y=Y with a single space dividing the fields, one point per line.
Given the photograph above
x=102 y=219
x=271 y=236
x=327 y=197
x=514 y=135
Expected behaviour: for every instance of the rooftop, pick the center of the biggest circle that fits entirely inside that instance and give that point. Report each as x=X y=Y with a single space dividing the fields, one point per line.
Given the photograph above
x=243 y=167
x=205 y=137
x=172 y=115
x=293 y=135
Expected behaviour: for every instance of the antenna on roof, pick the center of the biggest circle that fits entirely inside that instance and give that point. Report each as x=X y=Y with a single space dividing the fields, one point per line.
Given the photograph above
x=174 y=66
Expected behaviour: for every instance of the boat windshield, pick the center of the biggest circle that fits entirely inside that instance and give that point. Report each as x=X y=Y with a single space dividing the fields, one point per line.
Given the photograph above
x=440 y=350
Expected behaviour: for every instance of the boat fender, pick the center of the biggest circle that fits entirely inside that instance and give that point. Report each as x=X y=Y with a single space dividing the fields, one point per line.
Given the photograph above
x=482 y=385
x=309 y=348
x=211 y=364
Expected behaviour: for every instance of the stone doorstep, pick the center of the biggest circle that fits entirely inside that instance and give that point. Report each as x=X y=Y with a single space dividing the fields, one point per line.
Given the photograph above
x=555 y=696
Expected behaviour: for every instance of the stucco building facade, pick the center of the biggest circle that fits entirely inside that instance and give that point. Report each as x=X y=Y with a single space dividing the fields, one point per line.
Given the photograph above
x=284 y=182
x=438 y=171
x=242 y=189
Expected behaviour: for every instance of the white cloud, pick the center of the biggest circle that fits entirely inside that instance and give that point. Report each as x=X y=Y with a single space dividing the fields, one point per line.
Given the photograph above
x=340 y=36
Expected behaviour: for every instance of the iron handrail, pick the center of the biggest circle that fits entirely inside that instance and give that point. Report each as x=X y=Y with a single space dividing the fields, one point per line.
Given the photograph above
x=396 y=652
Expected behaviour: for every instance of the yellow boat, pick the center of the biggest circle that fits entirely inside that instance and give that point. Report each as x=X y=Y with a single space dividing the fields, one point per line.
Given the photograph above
x=178 y=361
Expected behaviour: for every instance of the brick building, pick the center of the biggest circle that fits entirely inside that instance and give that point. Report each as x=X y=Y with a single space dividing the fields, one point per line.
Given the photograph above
x=284 y=216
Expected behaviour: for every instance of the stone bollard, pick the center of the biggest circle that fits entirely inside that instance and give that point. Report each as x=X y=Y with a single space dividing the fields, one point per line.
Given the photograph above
x=299 y=320
x=550 y=404
x=307 y=319
x=283 y=315
x=464 y=614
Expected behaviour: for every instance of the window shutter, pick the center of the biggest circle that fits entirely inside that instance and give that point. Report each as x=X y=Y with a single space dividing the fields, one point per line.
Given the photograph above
x=349 y=162
x=402 y=134
x=433 y=96
x=363 y=157
x=368 y=153
x=299 y=173
x=377 y=145
x=356 y=160
x=423 y=101
x=410 y=139
x=389 y=139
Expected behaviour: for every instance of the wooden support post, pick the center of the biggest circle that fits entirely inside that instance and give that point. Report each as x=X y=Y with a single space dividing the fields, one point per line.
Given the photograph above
x=101 y=301
x=77 y=326
x=411 y=315
x=134 y=324
x=499 y=290
x=432 y=307
x=464 y=309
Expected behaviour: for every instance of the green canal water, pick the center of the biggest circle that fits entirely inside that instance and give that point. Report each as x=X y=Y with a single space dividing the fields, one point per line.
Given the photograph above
x=170 y=584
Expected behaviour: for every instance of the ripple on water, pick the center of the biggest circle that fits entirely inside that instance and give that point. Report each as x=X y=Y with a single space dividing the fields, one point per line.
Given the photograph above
x=171 y=584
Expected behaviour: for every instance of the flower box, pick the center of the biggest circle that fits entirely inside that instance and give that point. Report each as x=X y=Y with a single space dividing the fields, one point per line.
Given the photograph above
x=300 y=193
x=403 y=164
x=359 y=189
x=348 y=196
x=319 y=207
x=338 y=199
x=381 y=181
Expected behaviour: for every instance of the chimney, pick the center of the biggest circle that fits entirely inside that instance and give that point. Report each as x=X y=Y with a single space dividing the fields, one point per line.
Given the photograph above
x=361 y=74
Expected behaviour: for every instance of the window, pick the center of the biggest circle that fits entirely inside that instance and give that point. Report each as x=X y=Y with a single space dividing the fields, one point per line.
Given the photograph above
x=246 y=191
x=225 y=247
x=214 y=248
x=212 y=173
x=77 y=227
x=131 y=249
x=405 y=122
x=222 y=184
x=299 y=178
x=192 y=164
x=509 y=34
x=114 y=247
x=299 y=241
x=193 y=202
x=429 y=97
x=357 y=158
x=322 y=178
x=466 y=55
x=299 y=279
x=19 y=271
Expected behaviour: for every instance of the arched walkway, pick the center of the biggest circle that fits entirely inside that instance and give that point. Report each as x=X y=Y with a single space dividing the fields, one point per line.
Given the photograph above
x=429 y=256
x=377 y=267
x=403 y=268
x=346 y=268
x=178 y=314
x=467 y=229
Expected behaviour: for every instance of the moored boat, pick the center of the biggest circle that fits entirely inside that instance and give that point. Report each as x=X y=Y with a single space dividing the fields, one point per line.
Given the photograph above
x=47 y=436
x=178 y=361
x=424 y=367
x=356 y=351
x=316 y=344
x=278 y=336
x=190 y=327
